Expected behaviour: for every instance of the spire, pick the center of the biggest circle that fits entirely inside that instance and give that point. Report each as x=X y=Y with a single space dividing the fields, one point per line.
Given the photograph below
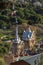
x=17 y=39
x=17 y=30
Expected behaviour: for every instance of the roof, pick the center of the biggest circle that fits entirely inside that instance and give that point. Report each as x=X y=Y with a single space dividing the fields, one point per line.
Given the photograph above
x=21 y=62
x=27 y=34
x=24 y=58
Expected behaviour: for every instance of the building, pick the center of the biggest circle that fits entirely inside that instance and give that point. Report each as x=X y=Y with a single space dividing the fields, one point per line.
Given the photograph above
x=17 y=47
x=29 y=38
x=21 y=48
x=21 y=62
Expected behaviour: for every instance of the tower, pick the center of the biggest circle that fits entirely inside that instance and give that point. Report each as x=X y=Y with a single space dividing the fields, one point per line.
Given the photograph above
x=17 y=47
x=17 y=39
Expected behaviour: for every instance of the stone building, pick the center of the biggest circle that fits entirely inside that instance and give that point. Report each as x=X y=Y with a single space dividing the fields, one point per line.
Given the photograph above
x=29 y=38
x=28 y=41
x=20 y=47
x=17 y=47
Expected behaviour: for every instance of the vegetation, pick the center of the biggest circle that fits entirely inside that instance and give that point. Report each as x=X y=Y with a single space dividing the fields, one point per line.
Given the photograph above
x=25 y=12
x=4 y=48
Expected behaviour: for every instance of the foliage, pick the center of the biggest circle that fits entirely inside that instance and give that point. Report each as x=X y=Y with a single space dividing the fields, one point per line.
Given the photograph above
x=4 y=48
x=29 y=12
